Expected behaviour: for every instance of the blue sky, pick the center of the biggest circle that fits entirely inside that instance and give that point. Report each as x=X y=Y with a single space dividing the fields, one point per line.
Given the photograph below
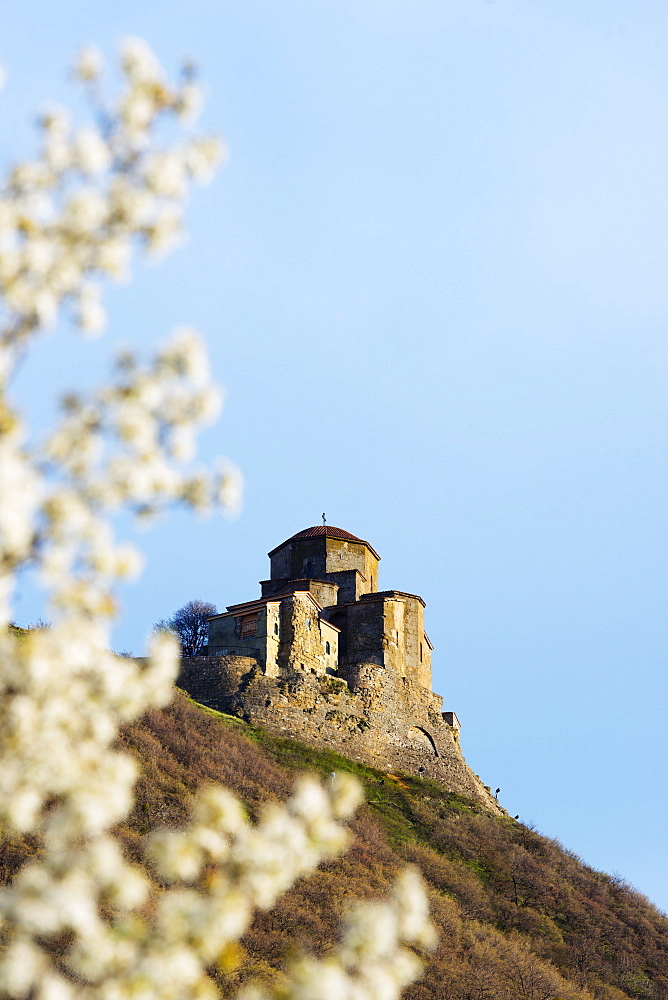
x=433 y=281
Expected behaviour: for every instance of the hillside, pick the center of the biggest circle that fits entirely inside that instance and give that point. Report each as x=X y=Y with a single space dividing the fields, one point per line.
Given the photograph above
x=518 y=916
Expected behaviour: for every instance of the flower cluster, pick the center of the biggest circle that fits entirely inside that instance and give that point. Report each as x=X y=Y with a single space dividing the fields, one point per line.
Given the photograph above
x=220 y=869
x=67 y=220
x=372 y=962
x=71 y=217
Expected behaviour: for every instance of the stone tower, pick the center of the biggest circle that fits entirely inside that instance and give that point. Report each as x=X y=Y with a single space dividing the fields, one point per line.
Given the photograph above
x=324 y=555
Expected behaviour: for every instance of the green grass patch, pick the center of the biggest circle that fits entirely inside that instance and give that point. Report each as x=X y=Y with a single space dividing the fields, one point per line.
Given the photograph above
x=404 y=803
x=223 y=716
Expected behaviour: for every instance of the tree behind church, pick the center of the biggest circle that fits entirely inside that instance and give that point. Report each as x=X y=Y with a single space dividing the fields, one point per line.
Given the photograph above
x=190 y=625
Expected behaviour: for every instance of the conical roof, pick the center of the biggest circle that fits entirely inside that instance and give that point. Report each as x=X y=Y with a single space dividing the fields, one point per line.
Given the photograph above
x=326 y=529
x=329 y=531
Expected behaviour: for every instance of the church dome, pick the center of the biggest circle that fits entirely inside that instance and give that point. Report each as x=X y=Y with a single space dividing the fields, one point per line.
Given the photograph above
x=325 y=531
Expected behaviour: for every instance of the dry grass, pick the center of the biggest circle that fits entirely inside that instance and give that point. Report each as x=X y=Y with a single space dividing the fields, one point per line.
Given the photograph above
x=519 y=918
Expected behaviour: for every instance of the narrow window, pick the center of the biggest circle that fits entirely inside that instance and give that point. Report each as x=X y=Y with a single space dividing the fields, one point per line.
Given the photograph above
x=275 y=628
x=328 y=648
x=420 y=652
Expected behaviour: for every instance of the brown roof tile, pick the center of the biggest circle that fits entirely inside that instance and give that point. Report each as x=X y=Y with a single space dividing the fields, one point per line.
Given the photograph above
x=330 y=532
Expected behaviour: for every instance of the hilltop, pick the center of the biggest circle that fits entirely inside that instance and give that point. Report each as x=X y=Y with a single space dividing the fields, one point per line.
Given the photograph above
x=326 y=657
x=518 y=915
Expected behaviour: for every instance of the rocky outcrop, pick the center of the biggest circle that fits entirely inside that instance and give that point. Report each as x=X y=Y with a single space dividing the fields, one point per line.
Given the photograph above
x=371 y=715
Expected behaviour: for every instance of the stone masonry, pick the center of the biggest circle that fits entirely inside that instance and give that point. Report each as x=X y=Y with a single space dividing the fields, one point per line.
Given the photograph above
x=325 y=657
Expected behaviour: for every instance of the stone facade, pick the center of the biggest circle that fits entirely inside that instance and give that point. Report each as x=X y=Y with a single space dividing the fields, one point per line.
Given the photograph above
x=281 y=634
x=332 y=555
x=326 y=657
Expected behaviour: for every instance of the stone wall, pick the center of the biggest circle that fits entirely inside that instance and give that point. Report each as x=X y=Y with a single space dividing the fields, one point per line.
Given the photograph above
x=365 y=628
x=209 y=679
x=288 y=634
x=324 y=591
x=351 y=584
x=302 y=645
x=385 y=628
x=226 y=635
x=343 y=555
x=389 y=722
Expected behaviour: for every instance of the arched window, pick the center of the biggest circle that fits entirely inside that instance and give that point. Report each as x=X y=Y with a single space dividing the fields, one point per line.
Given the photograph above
x=328 y=648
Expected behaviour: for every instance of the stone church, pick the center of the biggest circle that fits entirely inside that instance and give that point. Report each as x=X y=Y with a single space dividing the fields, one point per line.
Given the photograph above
x=321 y=611
x=324 y=656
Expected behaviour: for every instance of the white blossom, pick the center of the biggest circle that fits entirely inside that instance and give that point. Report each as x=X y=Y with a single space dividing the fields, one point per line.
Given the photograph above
x=89 y=63
x=113 y=258
x=203 y=156
x=166 y=174
x=139 y=62
x=165 y=230
x=191 y=101
x=85 y=211
x=136 y=112
x=90 y=313
x=90 y=152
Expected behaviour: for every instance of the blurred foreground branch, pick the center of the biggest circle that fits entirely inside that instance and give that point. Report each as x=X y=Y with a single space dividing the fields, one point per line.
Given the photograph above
x=77 y=922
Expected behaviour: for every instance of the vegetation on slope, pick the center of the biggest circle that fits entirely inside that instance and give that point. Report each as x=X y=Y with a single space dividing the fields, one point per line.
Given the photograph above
x=518 y=916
